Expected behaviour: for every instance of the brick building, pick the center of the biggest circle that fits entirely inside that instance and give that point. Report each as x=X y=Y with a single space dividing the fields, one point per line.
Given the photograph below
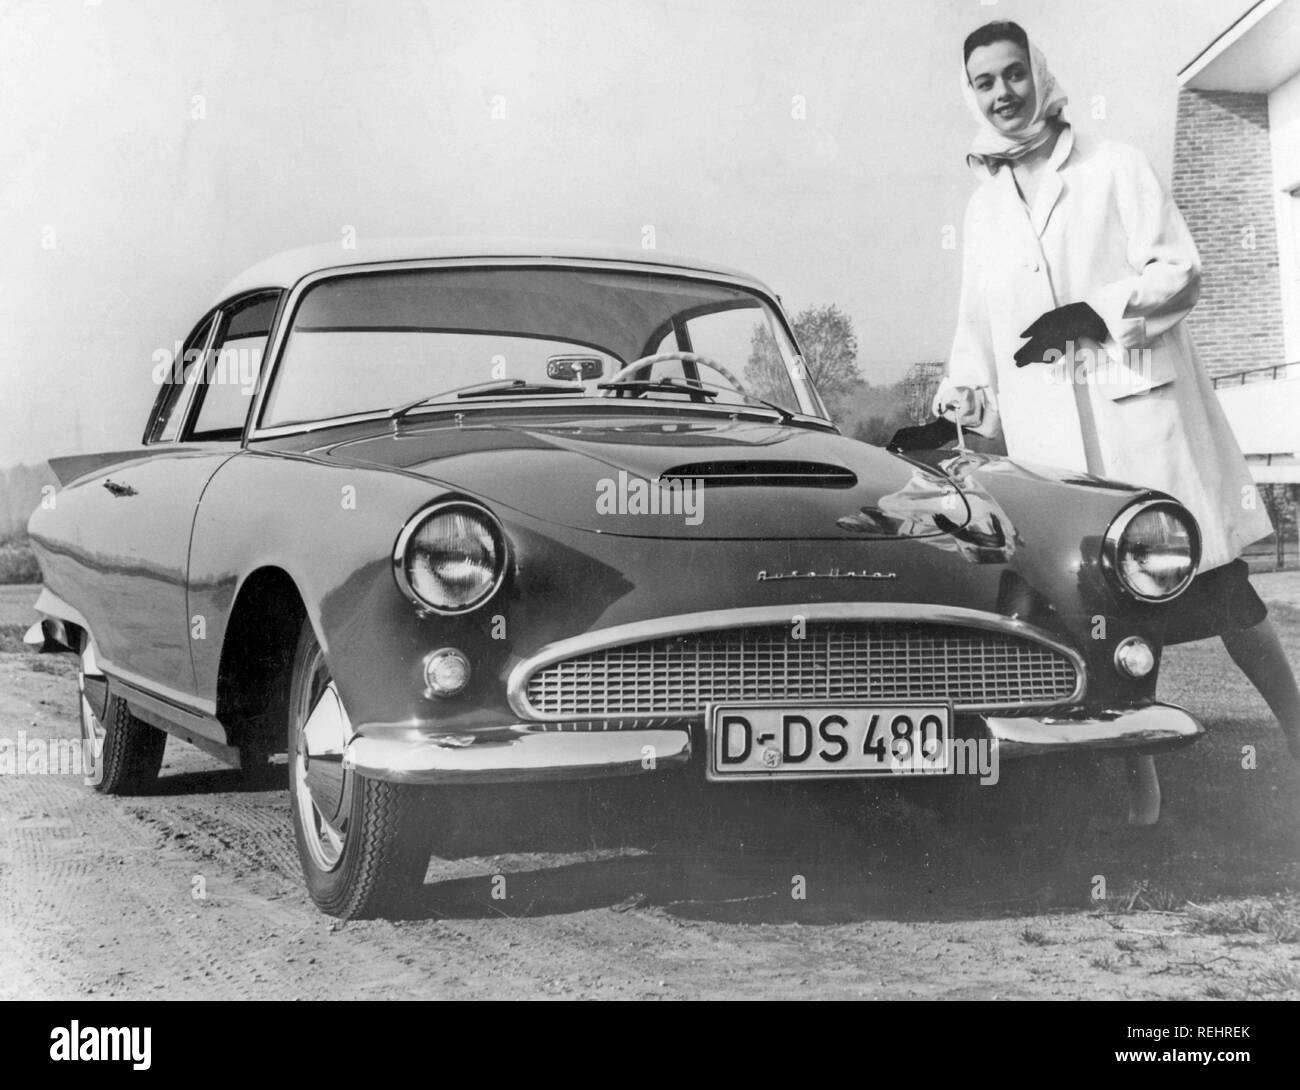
x=1237 y=180
x=1222 y=179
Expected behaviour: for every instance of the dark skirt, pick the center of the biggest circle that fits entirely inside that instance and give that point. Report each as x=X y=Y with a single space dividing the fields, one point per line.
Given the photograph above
x=1219 y=600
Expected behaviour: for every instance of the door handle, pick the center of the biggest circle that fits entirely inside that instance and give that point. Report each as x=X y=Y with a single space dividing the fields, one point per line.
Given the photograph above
x=120 y=489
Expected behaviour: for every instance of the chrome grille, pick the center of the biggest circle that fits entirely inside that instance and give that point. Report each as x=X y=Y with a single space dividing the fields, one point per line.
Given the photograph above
x=867 y=661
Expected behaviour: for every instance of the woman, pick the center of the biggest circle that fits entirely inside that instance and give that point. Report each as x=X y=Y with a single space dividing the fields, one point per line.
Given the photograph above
x=1072 y=243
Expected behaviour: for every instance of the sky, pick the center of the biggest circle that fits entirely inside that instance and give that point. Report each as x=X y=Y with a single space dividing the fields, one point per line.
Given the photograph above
x=153 y=148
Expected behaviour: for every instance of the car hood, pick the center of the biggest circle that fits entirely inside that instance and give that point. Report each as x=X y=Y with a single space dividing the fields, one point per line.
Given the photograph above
x=694 y=478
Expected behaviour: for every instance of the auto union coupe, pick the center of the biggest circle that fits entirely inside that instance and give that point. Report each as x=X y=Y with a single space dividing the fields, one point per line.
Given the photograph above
x=429 y=513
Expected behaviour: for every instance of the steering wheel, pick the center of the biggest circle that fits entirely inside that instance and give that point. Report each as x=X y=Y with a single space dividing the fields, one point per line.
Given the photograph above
x=683 y=357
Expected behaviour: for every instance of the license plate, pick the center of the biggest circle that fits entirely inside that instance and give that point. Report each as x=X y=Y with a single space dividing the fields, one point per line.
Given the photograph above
x=764 y=741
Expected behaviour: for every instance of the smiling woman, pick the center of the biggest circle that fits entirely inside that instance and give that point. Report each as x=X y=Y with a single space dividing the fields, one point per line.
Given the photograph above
x=1009 y=88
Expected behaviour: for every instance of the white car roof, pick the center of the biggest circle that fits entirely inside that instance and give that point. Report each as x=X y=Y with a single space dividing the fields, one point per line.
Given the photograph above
x=285 y=269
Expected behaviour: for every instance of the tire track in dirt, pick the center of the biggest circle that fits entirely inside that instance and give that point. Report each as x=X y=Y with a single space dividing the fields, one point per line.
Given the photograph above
x=94 y=883
x=96 y=902
x=252 y=831
x=114 y=917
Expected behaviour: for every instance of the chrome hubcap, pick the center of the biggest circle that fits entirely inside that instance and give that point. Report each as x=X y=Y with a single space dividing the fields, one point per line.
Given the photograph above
x=322 y=791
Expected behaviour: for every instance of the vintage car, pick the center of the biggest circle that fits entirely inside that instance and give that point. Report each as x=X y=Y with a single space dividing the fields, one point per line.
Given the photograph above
x=432 y=513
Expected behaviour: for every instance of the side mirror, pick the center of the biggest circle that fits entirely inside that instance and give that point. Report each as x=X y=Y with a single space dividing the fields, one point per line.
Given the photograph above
x=574 y=368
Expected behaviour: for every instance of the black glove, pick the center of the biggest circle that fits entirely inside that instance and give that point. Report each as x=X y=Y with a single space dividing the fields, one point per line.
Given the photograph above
x=1072 y=322
x=929 y=436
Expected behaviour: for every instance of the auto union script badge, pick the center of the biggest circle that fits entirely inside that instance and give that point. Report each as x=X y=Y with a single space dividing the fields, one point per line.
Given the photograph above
x=835 y=573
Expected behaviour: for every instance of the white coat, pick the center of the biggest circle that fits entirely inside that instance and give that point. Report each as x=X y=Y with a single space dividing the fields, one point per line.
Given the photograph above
x=1102 y=231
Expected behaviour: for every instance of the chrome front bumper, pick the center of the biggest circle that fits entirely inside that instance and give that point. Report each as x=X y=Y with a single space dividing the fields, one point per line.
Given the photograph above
x=524 y=753
x=1149 y=729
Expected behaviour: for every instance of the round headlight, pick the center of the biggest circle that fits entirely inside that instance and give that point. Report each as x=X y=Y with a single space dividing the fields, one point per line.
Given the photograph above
x=450 y=558
x=1153 y=548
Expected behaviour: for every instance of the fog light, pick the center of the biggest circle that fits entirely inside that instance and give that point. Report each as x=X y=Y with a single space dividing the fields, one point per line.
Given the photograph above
x=446 y=672
x=1134 y=657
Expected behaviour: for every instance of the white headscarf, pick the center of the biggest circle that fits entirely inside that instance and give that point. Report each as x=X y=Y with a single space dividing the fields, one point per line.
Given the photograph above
x=990 y=143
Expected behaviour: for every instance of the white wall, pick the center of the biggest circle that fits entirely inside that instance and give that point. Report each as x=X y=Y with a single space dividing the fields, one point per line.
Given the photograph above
x=1284 y=126
x=1265 y=417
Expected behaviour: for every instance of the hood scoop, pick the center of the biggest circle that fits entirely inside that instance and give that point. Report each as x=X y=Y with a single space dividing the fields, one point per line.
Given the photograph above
x=764 y=473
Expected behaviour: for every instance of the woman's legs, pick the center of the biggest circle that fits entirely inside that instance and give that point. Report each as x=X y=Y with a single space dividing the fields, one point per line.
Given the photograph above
x=1258 y=652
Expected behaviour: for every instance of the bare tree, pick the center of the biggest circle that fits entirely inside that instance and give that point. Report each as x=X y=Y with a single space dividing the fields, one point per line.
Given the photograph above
x=830 y=355
x=765 y=373
x=830 y=349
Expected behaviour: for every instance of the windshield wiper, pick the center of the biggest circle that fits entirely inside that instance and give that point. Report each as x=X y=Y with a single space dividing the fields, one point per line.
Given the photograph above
x=671 y=385
x=661 y=386
x=519 y=386
x=487 y=389
x=787 y=417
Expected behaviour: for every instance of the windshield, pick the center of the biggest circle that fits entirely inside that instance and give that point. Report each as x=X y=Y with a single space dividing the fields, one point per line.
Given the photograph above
x=375 y=341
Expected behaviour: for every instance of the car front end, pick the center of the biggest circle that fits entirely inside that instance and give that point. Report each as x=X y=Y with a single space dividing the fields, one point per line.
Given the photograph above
x=597 y=643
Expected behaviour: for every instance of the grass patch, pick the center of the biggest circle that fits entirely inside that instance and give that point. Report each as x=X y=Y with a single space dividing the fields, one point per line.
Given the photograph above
x=1284 y=613
x=11 y=638
x=1278 y=922
x=1274 y=981
x=1152 y=898
x=52 y=664
x=18 y=562
x=1034 y=937
x=1161 y=900
x=1142 y=896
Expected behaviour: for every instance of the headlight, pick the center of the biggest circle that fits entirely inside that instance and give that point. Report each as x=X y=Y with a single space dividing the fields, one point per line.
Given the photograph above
x=450 y=557
x=1153 y=548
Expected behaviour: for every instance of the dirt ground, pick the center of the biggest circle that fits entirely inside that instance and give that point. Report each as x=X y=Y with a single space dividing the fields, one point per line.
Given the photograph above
x=669 y=888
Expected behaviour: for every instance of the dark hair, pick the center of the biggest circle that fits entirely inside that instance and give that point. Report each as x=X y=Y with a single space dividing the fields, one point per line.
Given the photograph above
x=1000 y=31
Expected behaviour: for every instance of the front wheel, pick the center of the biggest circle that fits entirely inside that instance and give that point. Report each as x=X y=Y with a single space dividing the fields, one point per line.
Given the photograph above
x=121 y=754
x=363 y=844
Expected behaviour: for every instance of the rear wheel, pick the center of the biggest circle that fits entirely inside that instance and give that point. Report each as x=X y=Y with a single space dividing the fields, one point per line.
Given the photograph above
x=122 y=754
x=363 y=844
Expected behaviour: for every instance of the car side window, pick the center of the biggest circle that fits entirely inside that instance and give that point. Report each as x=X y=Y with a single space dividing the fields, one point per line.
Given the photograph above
x=229 y=378
x=177 y=376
